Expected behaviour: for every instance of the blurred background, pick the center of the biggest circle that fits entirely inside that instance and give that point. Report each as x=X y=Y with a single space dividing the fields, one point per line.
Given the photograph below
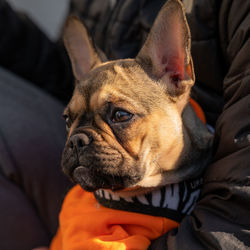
x=47 y=14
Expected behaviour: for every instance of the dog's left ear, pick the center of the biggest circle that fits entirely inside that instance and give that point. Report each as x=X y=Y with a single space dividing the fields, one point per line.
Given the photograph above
x=166 y=53
x=79 y=47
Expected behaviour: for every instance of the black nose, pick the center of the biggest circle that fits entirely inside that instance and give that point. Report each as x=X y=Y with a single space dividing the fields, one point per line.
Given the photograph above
x=80 y=141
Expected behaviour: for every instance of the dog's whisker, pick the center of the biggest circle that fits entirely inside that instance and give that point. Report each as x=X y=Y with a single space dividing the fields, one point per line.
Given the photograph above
x=158 y=165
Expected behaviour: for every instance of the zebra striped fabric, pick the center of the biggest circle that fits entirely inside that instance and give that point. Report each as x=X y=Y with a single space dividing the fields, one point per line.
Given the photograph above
x=173 y=201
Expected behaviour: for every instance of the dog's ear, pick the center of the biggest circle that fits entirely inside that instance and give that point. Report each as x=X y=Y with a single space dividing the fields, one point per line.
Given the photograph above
x=79 y=47
x=166 y=52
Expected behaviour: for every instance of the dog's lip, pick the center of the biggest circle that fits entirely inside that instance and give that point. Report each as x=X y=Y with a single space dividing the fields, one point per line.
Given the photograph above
x=79 y=176
x=78 y=171
x=125 y=189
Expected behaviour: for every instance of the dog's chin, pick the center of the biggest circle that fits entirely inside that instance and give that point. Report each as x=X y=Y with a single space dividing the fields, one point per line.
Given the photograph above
x=80 y=176
x=92 y=181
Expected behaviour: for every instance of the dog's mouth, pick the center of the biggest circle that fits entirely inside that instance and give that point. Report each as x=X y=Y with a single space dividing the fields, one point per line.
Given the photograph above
x=99 y=166
x=92 y=180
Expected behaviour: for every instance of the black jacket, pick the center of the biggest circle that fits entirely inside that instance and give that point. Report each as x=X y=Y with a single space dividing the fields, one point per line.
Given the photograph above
x=220 y=48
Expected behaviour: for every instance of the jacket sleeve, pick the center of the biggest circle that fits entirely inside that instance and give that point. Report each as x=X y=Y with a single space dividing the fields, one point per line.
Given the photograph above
x=221 y=219
x=27 y=52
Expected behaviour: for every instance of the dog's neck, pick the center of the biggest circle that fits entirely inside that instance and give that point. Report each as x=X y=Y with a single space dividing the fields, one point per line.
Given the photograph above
x=197 y=151
x=198 y=141
x=195 y=156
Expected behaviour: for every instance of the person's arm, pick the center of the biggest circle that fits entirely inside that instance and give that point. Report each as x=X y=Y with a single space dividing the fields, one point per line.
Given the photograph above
x=221 y=219
x=26 y=51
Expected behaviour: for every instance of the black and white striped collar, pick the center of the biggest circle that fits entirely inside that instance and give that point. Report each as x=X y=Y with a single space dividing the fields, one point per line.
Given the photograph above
x=173 y=201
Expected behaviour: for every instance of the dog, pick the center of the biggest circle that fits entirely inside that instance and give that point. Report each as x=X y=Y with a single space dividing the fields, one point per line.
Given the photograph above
x=131 y=132
x=132 y=136
x=130 y=125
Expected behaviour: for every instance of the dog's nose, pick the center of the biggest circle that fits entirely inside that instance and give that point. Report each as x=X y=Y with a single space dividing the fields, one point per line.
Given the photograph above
x=80 y=141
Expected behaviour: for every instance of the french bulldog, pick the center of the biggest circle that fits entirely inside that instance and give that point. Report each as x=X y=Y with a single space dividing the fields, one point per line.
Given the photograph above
x=130 y=125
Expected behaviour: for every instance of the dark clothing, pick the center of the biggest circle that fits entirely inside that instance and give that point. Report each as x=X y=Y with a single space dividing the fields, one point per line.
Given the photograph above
x=27 y=52
x=220 y=48
x=32 y=186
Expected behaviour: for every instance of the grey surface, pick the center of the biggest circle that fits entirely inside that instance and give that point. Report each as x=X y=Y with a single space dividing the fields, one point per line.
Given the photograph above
x=32 y=185
x=48 y=14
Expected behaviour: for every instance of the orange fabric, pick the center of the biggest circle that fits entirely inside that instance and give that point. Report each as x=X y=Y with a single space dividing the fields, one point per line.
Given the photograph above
x=198 y=110
x=85 y=224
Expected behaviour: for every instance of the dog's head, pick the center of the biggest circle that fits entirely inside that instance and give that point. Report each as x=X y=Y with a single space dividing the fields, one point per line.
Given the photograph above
x=125 y=119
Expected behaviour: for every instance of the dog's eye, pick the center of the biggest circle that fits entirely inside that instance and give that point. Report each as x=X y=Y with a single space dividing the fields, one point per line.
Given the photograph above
x=121 y=116
x=67 y=121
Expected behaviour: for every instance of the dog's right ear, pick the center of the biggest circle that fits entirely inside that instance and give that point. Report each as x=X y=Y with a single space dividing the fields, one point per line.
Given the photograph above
x=79 y=47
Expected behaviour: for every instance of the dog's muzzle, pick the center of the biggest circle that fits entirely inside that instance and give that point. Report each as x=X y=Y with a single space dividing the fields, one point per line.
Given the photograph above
x=94 y=164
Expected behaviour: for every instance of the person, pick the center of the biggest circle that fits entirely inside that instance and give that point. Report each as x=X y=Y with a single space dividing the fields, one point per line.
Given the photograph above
x=32 y=134
x=220 y=49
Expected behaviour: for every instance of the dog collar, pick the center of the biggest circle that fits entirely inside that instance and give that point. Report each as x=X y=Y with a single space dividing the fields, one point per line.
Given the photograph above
x=172 y=201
